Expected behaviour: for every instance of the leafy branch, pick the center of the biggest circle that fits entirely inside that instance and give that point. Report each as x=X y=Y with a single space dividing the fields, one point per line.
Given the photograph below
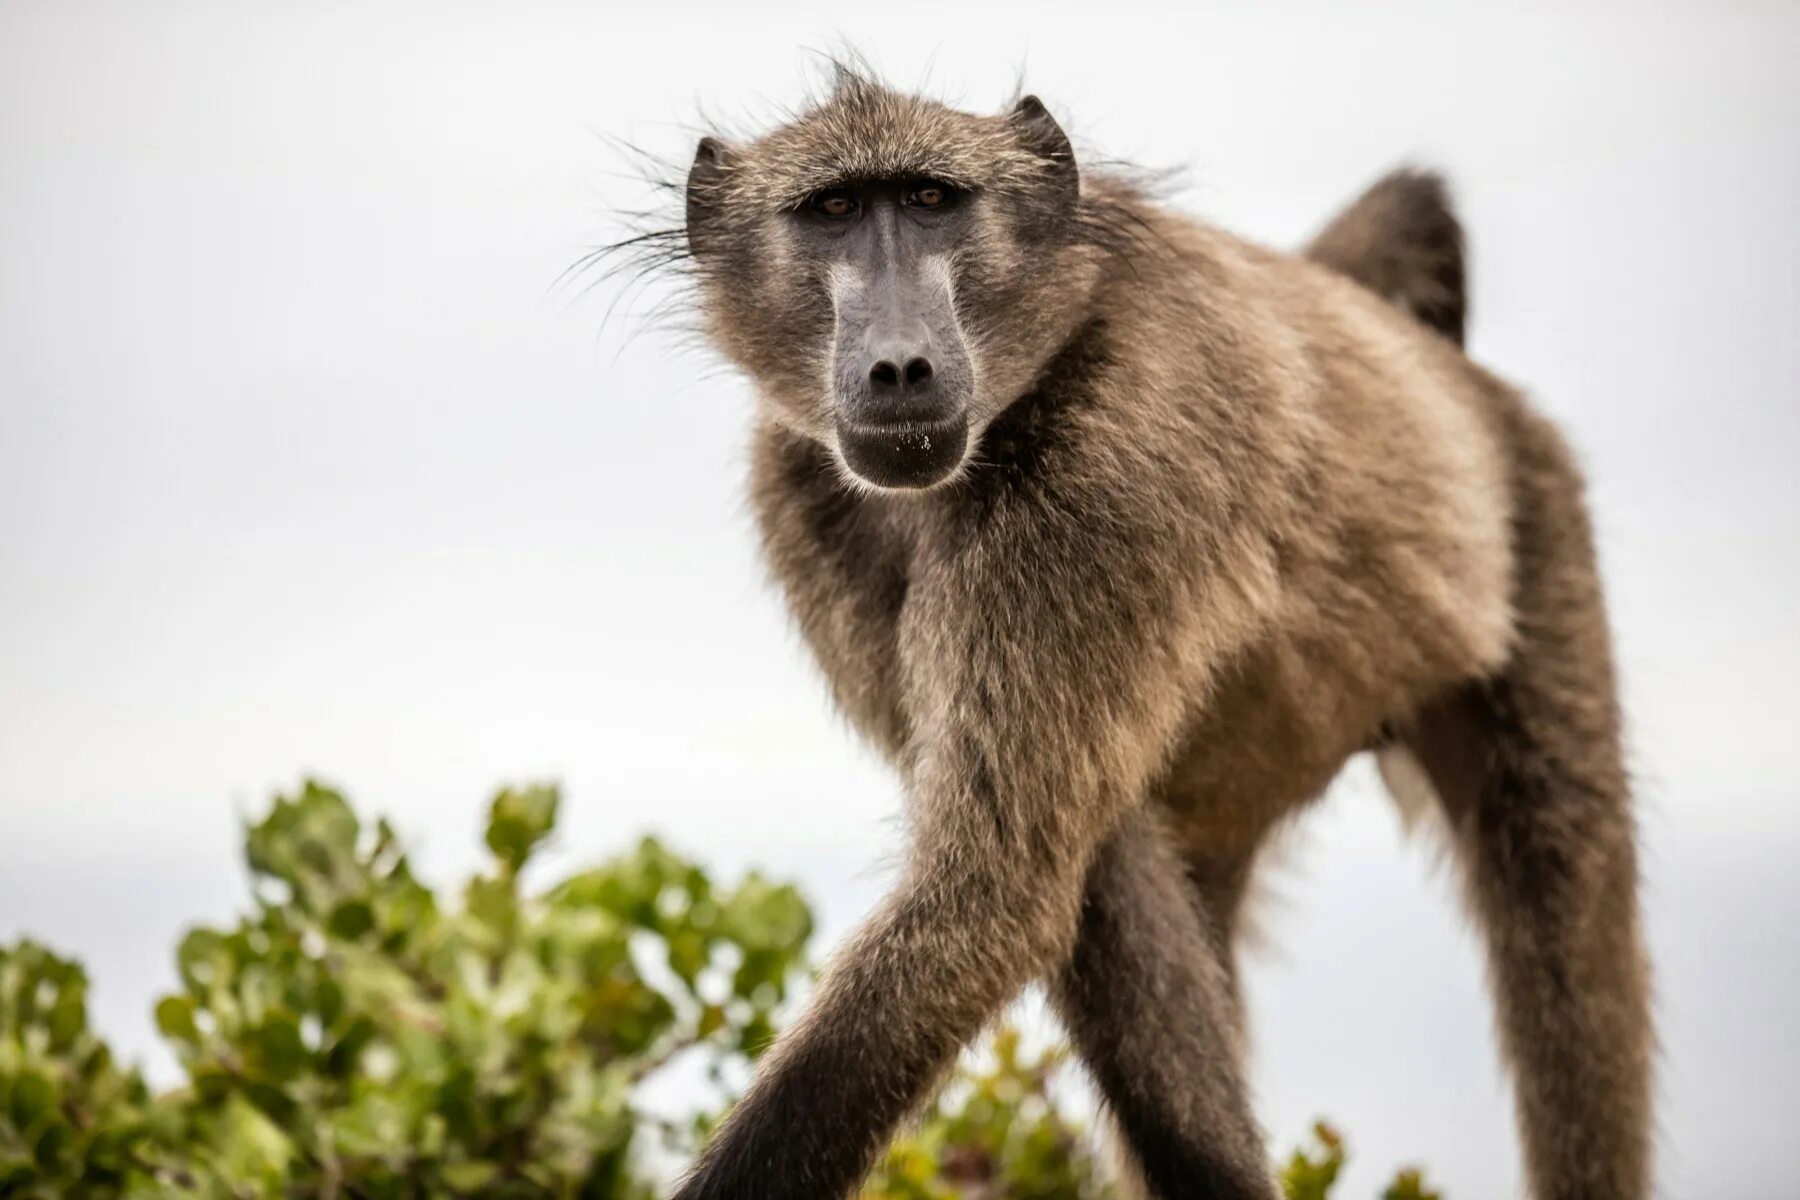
x=357 y=1035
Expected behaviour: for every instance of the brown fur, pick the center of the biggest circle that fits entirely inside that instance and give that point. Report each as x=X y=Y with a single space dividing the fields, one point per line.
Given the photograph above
x=1232 y=518
x=1401 y=240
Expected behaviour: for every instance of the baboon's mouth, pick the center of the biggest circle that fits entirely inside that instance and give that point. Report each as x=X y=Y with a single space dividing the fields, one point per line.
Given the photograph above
x=907 y=455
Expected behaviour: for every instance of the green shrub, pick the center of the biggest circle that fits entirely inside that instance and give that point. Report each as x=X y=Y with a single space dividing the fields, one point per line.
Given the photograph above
x=357 y=1036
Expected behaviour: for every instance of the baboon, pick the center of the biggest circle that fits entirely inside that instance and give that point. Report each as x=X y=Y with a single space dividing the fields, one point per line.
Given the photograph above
x=1118 y=535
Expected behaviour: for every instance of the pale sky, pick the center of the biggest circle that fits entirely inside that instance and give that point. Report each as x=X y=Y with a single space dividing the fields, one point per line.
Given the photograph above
x=304 y=468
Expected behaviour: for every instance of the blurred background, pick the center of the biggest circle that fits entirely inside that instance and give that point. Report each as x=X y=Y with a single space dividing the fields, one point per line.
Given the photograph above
x=307 y=467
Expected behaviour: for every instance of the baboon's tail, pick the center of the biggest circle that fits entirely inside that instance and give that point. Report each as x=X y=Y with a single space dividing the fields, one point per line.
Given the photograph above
x=1401 y=240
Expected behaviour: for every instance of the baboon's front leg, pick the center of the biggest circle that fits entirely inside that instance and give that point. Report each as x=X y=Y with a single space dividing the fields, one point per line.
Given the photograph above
x=987 y=905
x=1042 y=711
x=943 y=954
x=1150 y=1006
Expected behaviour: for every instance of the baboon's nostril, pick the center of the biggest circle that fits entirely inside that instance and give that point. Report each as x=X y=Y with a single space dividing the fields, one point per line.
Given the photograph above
x=917 y=372
x=884 y=374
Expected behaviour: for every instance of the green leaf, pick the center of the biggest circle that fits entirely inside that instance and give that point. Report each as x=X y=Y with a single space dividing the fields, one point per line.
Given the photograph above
x=175 y=1019
x=54 y=1146
x=518 y=820
x=277 y=1051
x=350 y=920
x=469 y=1178
x=33 y=1098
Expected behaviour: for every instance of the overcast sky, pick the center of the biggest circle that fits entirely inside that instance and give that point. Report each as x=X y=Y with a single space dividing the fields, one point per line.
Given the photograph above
x=305 y=468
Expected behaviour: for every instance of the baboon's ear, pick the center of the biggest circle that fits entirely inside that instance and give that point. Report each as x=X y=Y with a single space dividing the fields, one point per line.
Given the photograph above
x=1041 y=135
x=1039 y=130
x=704 y=184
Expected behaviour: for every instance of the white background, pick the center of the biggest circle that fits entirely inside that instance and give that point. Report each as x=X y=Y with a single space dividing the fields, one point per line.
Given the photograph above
x=305 y=468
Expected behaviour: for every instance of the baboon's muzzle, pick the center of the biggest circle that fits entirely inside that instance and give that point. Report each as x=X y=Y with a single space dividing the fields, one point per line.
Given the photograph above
x=903 y=380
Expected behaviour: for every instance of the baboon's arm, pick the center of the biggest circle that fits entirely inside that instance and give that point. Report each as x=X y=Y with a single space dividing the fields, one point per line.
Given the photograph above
x=1047 y=689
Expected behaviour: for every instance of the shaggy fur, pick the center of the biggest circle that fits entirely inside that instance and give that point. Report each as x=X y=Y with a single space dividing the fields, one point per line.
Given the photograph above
x=1232 y=517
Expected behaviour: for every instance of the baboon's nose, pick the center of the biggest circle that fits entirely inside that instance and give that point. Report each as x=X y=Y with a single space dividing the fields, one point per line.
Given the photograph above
x=915 y=374
x=902 y=386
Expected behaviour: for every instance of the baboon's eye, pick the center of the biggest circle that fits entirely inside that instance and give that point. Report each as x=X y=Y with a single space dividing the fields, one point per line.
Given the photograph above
x=931 y=194
x=836 y=205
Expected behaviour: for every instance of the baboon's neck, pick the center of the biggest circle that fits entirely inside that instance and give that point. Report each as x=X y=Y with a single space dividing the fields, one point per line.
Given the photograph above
x=1016 y=444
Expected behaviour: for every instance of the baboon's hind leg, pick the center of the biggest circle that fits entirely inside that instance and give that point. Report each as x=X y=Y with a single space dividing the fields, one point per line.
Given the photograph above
x=1528 y=768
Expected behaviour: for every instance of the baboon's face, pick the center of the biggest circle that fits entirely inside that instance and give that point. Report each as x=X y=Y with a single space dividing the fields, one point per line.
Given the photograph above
x=891 y=272
x=901 y=378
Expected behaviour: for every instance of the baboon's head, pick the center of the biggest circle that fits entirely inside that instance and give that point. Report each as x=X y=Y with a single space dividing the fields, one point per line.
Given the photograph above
x=893 y=273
